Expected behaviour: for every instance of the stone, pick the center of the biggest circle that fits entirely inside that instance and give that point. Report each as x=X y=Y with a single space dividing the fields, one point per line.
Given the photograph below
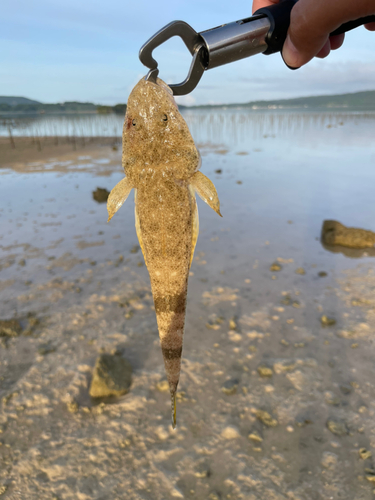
x=327 y=321
x=337 y=427
x=275 y=267
x=364 y=454
x=10 y=328
x=335 y=233
x=100 y=195
x=265 y=371
x=254 y=436
x=111 y=377
x=230 y=433
x=329 y=460
x=322 y=274
x=230 y=387
x=162 y=386
x=266 y=418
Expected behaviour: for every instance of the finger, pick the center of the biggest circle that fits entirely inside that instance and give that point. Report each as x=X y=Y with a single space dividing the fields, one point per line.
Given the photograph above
x=324 y=52
x=259 y=4
x=370 y=26
x=336 y=41
x=311 y=22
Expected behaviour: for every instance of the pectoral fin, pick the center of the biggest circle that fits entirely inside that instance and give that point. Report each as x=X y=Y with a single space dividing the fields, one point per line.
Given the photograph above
x=206 y=190
x=117 y=196
x=138 y=228
x=195 y=223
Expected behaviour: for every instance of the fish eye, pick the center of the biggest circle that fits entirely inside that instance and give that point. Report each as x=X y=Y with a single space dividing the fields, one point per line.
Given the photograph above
x=165 y=118
x=134 y=123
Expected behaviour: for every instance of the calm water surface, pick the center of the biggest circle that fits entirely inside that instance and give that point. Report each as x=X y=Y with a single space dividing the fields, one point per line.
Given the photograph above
x=281 y=175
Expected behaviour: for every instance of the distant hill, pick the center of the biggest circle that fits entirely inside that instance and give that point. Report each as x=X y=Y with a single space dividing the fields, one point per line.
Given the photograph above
x=18 y=105
x=363 y=100
x=14 y=101
x=357 y=100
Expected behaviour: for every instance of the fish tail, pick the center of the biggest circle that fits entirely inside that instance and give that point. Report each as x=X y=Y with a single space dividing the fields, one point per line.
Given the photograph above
x=172 y=363
x=173 y=405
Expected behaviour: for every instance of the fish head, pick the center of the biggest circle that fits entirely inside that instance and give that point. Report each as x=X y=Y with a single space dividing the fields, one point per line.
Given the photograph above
x=156 y=138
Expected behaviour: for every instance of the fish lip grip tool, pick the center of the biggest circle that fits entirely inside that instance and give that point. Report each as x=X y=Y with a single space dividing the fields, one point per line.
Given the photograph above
x=264 y=32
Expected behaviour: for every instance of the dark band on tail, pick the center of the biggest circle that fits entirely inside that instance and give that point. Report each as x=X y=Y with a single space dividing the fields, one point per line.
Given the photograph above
x=171 y=353
x=171 y=303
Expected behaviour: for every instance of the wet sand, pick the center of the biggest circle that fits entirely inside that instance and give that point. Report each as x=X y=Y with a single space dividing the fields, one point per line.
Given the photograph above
x=274 y=402
x=23 y=150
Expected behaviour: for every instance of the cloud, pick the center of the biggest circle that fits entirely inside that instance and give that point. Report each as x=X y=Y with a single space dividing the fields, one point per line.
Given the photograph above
x=186 y=100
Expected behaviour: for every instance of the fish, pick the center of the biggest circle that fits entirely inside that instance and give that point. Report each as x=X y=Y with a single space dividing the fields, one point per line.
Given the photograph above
x=161 y=163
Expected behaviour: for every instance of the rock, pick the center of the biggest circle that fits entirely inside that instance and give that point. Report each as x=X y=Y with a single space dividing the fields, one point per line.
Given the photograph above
x=331 y=399
x=329 y=460
x=10 y=328
x=111 y=377
x=285 y=365
x=322 y=274
x=218 y=171
x=364 y=454
x=162 y=386
x=370 y=475
x=275 y=267
x=230 y=387
x=266 y=418
x=326 y=321
x=300 y=270
x=254 y=436
x=230 y=433
x=3 y=489
x=335 y=233
x=337 y=427
x=265 y=371
x=233 y=323
x=100 y=195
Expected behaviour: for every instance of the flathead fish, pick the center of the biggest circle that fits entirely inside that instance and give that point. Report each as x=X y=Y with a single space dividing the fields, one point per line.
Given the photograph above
x=161 y=163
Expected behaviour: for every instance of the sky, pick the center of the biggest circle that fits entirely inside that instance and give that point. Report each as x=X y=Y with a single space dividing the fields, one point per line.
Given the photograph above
x=79 y=50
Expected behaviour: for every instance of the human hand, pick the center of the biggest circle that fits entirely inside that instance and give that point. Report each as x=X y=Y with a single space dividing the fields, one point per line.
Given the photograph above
x=311 y=22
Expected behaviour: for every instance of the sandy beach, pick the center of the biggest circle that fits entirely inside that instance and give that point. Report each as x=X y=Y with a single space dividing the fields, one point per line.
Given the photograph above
x=276 y=397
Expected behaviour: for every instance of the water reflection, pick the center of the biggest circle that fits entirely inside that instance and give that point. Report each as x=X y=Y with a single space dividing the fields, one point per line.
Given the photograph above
x=229 y=126
x=353 y=253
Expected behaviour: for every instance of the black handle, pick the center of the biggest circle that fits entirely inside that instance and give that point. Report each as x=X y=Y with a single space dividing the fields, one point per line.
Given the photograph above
x=279 y=17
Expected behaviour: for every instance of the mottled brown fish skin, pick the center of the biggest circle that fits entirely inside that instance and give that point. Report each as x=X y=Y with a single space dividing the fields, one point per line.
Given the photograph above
x=161 y=164
x=159 y=157
x=164 y=209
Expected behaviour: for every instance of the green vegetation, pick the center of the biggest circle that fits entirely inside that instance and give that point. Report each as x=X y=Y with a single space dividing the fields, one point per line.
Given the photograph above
x=20 y=105
x=358 y=100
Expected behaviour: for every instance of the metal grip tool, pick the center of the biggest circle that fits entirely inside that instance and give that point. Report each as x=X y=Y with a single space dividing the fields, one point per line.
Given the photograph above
x=264 y=32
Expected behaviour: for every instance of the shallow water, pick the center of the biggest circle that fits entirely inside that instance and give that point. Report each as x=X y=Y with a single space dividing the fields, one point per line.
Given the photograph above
x=281 y=174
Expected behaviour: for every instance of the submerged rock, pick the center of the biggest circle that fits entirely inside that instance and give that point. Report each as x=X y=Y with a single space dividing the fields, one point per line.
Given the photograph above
x=230 y=387
x=266 y=418
x=265 y=371
x=275 y=267
x=335 y=233
x=326 y=321
x=10 y=328
x=100 y=195
x=337 y=427
x=111 y=377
